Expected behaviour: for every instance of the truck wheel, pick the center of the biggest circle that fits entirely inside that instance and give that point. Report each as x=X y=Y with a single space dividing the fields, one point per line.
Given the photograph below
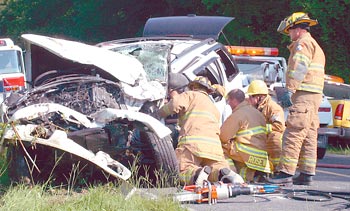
x=322 y=143
x=321 y=153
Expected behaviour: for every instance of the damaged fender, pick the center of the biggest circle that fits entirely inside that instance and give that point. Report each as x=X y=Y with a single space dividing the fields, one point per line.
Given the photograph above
x=59 y=140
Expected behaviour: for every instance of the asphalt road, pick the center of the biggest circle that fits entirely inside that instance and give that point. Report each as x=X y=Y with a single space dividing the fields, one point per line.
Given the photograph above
x=332 y=175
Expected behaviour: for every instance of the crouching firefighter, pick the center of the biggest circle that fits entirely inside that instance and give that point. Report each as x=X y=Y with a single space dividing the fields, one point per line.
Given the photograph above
x=199 y=150
x=244 y=138
x=274 y=115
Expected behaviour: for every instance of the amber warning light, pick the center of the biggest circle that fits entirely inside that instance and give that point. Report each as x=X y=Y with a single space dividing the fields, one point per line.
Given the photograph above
x=252 y=51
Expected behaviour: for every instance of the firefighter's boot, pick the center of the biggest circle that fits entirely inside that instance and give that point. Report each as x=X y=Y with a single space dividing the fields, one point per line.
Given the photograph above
x=226 y=175
x=201 y=175
x=303 y=179
x=281 y=178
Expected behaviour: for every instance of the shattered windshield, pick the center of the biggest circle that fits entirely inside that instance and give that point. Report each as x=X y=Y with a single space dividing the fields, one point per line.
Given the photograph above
x=153 y=56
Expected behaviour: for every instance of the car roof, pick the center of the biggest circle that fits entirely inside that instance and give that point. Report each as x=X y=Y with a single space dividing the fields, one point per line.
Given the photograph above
x=198 y=27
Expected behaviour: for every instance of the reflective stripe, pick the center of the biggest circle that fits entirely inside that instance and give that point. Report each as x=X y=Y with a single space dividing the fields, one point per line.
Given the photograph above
x=243 y=173
x=289 y=161
x=311 y=88
x=308 y=162
x=206 y=141
x=230 y=162
x=196 y=113
x=252 y=131
x=258 y=159
x=250 y=150
x=317 y=67
x=186 y=176
x=298 y=57
x=275 y=161
x=199 y=139
x=268 y=128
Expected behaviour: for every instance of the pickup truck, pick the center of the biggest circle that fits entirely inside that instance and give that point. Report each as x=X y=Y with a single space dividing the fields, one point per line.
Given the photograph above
x=339 y=96
x=264 y=64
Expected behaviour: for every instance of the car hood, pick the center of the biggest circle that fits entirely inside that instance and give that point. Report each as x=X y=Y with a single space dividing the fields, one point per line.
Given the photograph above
x=124 y=68
x=199 y=27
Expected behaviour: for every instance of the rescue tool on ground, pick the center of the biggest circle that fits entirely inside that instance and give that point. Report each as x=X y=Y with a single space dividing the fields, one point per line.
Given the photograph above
x=211 y=193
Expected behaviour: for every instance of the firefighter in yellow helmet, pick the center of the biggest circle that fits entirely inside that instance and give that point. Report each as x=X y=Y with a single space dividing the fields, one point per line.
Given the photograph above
x=199 y=150
x=304 y=83
x=243 y=137
x=274 y=115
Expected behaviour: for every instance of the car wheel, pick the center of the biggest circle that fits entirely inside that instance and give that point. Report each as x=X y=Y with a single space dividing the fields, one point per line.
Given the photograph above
x=158 y=158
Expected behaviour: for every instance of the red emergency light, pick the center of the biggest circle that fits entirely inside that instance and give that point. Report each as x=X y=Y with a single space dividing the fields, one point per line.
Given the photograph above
x=2 y=43
x=252 y=51
x=13 y=83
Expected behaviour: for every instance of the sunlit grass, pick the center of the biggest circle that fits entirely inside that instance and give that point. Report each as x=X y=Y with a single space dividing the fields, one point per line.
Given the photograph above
x=339 y=150
x=108 y=196
x=103 y=197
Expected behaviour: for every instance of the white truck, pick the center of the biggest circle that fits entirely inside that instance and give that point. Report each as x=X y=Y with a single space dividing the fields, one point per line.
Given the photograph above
x=12 y=72
x=264 y=64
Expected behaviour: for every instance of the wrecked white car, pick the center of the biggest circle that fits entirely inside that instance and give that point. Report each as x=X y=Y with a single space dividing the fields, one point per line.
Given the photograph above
x=77 y=105
x=100 y=102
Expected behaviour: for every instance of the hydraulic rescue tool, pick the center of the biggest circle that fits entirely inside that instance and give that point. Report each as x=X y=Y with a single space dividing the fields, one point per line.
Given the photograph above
x=212 y=192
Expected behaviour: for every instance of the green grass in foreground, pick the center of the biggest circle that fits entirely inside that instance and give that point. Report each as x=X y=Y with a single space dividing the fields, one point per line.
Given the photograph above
x=106 y=197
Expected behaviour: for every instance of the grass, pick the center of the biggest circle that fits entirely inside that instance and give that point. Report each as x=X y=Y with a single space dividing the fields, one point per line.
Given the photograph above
x=108 y=196
x=104 y=197
x=339 y=150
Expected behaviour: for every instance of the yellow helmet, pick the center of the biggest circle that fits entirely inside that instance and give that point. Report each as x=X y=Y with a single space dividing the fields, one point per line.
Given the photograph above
x=294 y=19
x=257 y=87
x=200 y=82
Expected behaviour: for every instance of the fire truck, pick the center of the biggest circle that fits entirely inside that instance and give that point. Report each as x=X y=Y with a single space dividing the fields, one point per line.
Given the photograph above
x=263 y=63
x=12 y=71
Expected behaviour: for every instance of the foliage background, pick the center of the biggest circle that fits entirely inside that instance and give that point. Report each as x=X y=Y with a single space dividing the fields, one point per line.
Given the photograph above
x=255 y=24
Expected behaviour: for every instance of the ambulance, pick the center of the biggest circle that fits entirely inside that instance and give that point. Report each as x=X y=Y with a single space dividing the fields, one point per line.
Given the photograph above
x=12 y=71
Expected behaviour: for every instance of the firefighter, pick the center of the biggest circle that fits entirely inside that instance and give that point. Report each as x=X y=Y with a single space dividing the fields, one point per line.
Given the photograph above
x=304 y=83
x=244 y=135
x=199 y=151
x=274 y=115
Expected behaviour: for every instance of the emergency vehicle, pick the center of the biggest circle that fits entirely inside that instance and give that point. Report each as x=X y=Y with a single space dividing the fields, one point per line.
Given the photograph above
x=12 y=71
x=338 y=94
x=262 y=63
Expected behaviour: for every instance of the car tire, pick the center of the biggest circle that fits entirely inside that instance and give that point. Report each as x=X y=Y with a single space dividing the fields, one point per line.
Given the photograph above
x=160 y=155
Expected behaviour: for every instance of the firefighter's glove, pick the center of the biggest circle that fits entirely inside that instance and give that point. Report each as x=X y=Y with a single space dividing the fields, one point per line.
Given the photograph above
x=286 y=100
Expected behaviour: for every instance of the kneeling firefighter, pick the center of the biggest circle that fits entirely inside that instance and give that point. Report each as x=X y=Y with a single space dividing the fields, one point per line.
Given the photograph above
x=274 y=115
x=244 y=137
x=199 y=150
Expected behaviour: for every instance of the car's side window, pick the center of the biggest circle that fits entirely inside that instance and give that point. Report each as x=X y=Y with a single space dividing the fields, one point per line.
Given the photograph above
x=231 y=69
x=211 y=74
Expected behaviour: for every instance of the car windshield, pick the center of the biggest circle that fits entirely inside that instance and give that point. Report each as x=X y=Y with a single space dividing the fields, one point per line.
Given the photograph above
x=153 y=56
x=10 y=61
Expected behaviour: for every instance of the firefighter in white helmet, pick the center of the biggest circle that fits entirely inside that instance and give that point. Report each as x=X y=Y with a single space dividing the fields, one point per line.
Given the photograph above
x=274 y=115
x=244 y=137
x=199 y=150
x=304 y=83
